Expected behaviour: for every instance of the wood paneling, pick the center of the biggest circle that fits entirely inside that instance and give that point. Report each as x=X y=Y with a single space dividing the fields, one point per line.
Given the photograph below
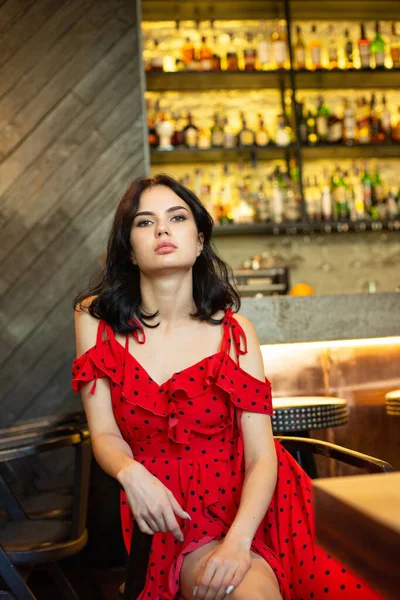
x=72 y=133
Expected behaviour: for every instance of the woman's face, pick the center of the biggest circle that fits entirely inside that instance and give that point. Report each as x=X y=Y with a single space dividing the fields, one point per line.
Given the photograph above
x=164 y=235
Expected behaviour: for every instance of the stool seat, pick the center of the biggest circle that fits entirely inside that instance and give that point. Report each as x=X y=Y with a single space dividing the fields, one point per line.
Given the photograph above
x=393 y=403
x=300 y=413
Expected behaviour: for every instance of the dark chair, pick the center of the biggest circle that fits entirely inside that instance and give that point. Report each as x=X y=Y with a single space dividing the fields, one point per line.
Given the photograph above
x=26 y=543
x=42 y=496
x=141 y=542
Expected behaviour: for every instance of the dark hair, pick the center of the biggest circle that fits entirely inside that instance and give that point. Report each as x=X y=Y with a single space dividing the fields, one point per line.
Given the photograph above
x=117 y=287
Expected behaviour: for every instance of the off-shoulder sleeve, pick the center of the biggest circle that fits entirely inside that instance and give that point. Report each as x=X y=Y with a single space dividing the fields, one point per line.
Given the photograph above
x=84 y=369
x=245 y=391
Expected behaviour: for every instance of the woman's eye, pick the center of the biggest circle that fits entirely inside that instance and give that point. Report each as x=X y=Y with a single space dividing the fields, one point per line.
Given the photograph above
x=141 y=223
x=146 y=221
x=180 y=217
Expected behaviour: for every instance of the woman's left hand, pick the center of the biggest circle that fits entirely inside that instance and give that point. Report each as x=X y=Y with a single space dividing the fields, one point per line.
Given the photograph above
x=224 y=568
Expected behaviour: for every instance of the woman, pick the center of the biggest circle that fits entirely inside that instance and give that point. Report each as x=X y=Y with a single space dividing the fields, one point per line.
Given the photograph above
x=185 y=426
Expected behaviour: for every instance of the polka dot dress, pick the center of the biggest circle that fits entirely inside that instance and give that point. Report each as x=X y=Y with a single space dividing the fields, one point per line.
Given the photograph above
x=185 y=432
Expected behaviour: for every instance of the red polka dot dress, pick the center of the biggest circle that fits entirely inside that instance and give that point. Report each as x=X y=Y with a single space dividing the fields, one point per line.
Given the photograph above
x=185 y=432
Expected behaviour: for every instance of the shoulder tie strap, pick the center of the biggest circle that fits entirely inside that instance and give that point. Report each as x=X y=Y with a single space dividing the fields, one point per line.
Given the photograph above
x=232 y=329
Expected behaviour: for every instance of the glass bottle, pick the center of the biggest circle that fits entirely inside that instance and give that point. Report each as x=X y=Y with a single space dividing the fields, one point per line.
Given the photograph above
x=335 y=129
x=366 y=183
x=363 y=122
x=332 y=49
x=299 y=51
x=386 y=120
x=283 y=133
x=364 y=47
x=302 y=123
x=230 y=138
x=216 y=58
x=395 y=46
x=250 y=54
x=217 y=133
x=377 y=134
x=261 y=137
x=205 y=55
x=187 y=53
x=349 y=123
x=279 y=44
x=315 y=49
x=396 y=129
x=264 y=48
x=378 y=48
x=232 y=63
x=322 y=120
x=348 y=50
x=246 y=135
x=190 y=133
x=156 y=61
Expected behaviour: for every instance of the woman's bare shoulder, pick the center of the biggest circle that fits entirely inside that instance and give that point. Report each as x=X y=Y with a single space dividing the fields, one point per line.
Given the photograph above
x=85 y=326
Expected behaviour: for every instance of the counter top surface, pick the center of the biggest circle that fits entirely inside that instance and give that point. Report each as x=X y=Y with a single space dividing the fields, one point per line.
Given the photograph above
x=288 y=319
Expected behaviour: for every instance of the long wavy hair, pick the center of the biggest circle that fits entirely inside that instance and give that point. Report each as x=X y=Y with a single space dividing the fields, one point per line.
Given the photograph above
x=116 y=289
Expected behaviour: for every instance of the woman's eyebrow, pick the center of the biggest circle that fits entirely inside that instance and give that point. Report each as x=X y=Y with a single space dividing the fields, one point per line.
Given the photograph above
x=148 y=212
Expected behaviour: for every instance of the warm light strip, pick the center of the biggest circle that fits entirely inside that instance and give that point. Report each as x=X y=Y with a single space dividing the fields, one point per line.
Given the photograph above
x=385 y=341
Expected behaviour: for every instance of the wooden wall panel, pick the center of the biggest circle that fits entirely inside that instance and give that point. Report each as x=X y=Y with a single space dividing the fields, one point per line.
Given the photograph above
x=72 y=136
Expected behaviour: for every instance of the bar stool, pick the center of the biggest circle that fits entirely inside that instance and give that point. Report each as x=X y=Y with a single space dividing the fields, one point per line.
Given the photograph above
x=393 y=403
x=296 y=415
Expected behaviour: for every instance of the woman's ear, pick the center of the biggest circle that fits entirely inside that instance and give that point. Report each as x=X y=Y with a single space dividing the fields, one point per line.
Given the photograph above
x=200 y=243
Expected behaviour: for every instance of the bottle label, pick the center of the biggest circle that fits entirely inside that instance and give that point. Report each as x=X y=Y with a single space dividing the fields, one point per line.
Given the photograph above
x=300 y=56
x=280 y=51
x=229 y=140
x=217 y=138
x=262 y=138
x=379 y=59
x=316 y=55
x=156 y=62
x=191 y=137
x=336 y=132
x=206 y=64
x=322 y=126
x=364 y=55
x=264 y=52
x=247 y=138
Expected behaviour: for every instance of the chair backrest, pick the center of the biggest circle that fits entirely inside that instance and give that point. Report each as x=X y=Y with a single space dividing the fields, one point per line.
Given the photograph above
x=46 y=442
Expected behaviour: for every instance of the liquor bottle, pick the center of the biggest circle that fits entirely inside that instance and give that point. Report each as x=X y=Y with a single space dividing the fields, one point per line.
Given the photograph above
x=277 y=201
x=230 y=138
x=246 y=135
x=312 y=135
x=261 y=137
x=358 y=194
x=395 y=46
x=340 y=196
x=204 y=138
x=299 y=51
x=326 y=199
x=156 y=62
x=152 y=133
x=335 y=129
x=386 y=124
x=364 y=47
x=283 y=133
x=205 y=55
x=232 y=62
x=178 y=137
x=315 y=49
x=250 y=54
x=349 y=123
x=190 y=133
x=217 y=133
x=279 y=44
x=216 y=58
x=322 y=120
x=302 y=123
x=348 y=51
x=396 y=129
x=378 y=48
x=332 y=49
x=188 y=54
x=377 y=135
x=363 y=122
x=264 y=48
x=366 y=183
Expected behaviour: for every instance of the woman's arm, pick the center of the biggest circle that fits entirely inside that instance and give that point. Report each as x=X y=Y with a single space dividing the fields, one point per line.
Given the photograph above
x=109 y=448
x=259 y=451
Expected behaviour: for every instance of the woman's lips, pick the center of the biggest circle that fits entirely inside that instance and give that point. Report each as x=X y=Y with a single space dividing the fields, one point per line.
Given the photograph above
x=165 y=250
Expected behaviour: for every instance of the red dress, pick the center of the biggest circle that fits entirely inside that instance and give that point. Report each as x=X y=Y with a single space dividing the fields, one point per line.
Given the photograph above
x=185 y=433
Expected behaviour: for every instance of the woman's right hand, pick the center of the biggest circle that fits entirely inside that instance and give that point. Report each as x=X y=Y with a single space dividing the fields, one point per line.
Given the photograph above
x=153 y=505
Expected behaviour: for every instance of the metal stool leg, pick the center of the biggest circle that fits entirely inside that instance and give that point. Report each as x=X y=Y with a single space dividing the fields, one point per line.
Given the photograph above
x=306 y=459
x=13 y=579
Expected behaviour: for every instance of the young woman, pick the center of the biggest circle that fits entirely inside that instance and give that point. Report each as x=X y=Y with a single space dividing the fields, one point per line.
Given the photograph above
x=183 y=424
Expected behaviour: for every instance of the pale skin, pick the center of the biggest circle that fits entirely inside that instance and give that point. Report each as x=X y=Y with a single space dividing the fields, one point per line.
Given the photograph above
x=166 y=286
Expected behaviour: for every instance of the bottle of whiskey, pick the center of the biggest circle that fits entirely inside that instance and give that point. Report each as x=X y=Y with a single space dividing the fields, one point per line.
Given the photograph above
x=396 y=129
x=191 y=133
x=386 y=121
x=364 y=47
x=315 y=49
x=246 y=136
x=378 y=48
x=230 y=138
x=322 y=120
x=332 y=49
x=261 y=137
x=283 y=135
x=299 y=51
x=279 y=44
x=363 y=122
x=264 y=49
x=348 y=50
x=188 y=54
x=205 y=55
x=250 y=54
x=395 y=47
x=217 y=133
